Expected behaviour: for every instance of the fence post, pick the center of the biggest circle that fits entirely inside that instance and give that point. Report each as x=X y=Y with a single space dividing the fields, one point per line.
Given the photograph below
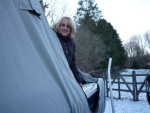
x=118 y=74
x=104 y=72
x=135 y=94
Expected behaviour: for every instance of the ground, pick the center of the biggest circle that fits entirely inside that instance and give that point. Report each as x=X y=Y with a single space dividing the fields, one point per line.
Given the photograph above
x=126 y=104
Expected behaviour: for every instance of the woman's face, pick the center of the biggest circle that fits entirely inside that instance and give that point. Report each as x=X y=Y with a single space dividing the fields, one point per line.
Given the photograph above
x=64 y=28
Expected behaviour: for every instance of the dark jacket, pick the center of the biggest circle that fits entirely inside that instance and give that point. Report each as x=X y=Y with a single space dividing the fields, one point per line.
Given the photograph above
x=69 y=48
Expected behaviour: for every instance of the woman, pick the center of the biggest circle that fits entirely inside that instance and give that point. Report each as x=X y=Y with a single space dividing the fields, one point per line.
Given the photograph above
x=65 y=30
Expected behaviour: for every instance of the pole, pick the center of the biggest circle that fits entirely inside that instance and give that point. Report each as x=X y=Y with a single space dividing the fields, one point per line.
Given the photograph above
x=109 y=78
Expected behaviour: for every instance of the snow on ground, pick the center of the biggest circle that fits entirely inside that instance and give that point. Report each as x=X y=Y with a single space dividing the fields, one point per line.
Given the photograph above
x=126 y=103
x=128 y=106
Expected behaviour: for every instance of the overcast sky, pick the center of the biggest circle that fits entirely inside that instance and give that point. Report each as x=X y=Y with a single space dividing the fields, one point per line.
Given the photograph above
x=128 y=17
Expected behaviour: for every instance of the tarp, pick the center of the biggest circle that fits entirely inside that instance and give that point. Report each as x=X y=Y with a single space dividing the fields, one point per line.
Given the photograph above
x=34 y=73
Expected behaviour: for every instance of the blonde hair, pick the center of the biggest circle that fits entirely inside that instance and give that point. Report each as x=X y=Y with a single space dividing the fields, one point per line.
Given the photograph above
x=71 y=24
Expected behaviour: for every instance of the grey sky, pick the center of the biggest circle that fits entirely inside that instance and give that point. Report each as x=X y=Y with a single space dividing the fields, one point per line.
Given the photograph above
x=128 y=17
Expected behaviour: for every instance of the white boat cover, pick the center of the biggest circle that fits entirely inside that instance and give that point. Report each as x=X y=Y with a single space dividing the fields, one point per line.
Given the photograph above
x=89 y=89
x=34 y=73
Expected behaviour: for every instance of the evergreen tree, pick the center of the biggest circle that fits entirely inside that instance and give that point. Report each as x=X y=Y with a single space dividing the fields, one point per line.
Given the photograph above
x=115 y=49
x=87 y=13
x=86 y=17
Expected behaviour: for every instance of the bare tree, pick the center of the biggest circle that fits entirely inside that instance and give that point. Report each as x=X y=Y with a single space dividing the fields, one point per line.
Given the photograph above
x=147 y=39
x=128 y=47
x=90 y=50
x=136 y=46
x=136 y=49
x=55 y=9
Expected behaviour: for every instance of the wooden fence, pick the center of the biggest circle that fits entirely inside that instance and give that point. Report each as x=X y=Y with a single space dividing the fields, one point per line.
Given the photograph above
x=134 y=87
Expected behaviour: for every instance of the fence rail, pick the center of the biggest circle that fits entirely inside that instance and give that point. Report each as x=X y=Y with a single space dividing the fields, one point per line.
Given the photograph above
x=134 y=87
